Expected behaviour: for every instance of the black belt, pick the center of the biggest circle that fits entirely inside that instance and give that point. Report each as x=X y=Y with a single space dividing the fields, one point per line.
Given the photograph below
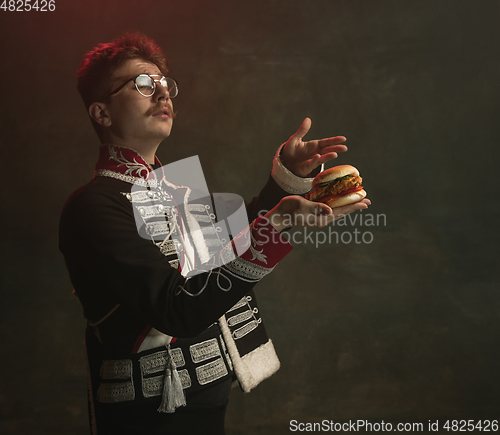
x=201 y=362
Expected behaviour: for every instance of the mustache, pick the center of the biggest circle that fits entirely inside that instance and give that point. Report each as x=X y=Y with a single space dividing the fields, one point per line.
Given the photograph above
x=159 y=107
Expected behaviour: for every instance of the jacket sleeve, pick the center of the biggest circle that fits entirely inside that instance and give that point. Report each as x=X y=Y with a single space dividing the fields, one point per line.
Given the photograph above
x=281 y=183
x=110 y=263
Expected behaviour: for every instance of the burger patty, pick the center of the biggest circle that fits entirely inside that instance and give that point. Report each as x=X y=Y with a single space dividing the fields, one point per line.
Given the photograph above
x=336 y=187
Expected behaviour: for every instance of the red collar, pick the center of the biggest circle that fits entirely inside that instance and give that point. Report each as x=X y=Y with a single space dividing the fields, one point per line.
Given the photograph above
x=125 y=164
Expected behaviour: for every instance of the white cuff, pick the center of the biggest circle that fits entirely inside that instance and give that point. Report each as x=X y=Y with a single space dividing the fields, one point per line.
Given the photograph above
x=288 y=181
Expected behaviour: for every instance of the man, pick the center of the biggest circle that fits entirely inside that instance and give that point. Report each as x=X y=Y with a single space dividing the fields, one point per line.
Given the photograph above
x=164 y=345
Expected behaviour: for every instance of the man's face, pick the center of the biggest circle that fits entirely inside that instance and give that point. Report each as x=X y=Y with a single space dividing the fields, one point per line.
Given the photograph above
x=134 y=117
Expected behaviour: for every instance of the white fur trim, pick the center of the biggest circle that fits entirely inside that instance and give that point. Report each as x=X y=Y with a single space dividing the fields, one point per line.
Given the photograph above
x=254 y=367
x=195 y=231
x=288 y=181
x=197 y=237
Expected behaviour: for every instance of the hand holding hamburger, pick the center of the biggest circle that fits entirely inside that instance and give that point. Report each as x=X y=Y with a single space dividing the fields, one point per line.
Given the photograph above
x=337 y=186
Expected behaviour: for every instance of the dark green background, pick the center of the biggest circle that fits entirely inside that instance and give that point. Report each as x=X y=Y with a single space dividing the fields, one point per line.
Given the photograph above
x=405 y=328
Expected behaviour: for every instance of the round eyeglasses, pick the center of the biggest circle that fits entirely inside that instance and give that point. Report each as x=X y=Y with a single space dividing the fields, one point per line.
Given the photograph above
x=146 y=85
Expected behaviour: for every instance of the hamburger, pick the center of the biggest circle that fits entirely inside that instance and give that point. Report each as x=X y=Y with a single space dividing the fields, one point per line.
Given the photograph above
x=337 y=186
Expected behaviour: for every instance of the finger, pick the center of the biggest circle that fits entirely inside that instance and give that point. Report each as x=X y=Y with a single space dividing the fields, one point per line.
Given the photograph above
x=328 y=220
x=333 y=148
x=318 y=216
x=311 y=207
x=318 y=160
x=332 y=141
x=340 y=212
x=326 y=158
x=318 y=209
x=303 y=129
x=319 y=220
x=324 y=147
x=311 y=164
x=323 y=209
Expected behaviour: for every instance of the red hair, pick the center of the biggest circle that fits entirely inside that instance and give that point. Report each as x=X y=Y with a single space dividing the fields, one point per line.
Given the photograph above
x=98 y=66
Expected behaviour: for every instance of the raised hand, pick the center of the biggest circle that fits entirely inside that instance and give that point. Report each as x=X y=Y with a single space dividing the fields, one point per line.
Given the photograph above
x=301 y=158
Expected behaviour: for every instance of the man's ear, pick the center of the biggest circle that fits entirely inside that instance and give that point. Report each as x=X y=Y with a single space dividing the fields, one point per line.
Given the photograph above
x=99 y=113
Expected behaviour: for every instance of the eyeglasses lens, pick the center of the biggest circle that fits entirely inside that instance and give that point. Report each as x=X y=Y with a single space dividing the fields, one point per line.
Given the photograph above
x=170 y=85
x=145 y=85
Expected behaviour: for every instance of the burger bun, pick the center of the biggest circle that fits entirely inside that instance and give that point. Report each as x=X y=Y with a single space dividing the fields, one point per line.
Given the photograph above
x=350 y=198
x=334 y=173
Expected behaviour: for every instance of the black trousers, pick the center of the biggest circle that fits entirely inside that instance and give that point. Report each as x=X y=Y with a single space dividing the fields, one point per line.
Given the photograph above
x=138 y=420
x=204 y=414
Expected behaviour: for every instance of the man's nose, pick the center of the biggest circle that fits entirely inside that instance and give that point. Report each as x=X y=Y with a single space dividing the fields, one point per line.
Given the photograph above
x=161 y=92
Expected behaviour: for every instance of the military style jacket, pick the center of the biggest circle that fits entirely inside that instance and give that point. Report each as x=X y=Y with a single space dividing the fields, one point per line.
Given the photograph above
x=159 y=285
